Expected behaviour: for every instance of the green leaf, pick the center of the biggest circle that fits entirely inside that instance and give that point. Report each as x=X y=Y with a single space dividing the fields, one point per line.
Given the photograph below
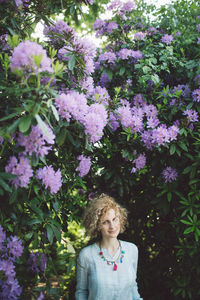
x=186 y=222
x=71 y=264
x=155 y=78
x=122 y=70
x=5 y=186
x=28 y=236
x=72 y=62
x=188 y=230
x=110 y=74
x=172 y=149
x=55 y=112
x=12 y=128
x=42 y=125
x=183 y=146
x=187 y=169
x=146 y=69
x=34 y=221
x=9 y=116
x=60 y=139
x=56 y=233
x=169 y=196
x=50 y=233
x=25 y=123
x=37 y=59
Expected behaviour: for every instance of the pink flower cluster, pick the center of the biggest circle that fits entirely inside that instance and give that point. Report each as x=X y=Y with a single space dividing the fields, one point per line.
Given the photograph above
x=192 y=115
x=93 y=117
x=139 y=162
x=128 y=53
x=84 y=165
x=60 y=28
x=50 y=178
x=100 y=95
x=167 y=38
x=144 y=120
x=139 y=36
x=102 y=27
x=169 y=174
x=21 y=169
x=25 y=56
x=82 y=47
x=121 y=7
x=36 y=141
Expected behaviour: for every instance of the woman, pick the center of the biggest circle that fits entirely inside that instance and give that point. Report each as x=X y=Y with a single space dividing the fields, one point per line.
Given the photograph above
x=106 y=270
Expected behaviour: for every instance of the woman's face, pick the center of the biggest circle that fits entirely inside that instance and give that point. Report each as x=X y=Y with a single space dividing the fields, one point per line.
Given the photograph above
x=110 y=225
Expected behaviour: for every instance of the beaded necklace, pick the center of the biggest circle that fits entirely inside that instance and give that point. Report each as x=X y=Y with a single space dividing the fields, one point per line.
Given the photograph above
x=113 y=262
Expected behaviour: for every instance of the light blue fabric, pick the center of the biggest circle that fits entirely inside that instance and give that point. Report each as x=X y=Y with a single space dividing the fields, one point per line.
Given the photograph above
x=96 y=280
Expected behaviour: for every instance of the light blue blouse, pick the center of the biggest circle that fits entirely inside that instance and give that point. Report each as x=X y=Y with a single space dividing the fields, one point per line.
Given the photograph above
x=96 y=280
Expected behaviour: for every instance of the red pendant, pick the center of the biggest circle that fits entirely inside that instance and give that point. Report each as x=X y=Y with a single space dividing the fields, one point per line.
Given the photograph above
x=100 y=253
x=115 y=267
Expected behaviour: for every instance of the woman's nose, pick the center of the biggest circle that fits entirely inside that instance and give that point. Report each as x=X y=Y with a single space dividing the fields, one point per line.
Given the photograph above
x=111 y=224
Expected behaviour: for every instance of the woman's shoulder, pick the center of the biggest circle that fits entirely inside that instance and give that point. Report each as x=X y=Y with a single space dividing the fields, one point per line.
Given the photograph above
x=85 y=252
x=129 y=246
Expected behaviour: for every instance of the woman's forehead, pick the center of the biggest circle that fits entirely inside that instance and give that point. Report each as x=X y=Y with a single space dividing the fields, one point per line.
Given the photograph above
x=110 y=213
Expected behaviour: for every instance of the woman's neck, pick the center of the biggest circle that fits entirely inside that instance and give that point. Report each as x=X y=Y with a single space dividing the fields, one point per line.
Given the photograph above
x=111 y=245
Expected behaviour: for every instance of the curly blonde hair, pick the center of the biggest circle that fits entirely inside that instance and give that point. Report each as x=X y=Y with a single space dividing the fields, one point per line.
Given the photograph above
x=97 y=210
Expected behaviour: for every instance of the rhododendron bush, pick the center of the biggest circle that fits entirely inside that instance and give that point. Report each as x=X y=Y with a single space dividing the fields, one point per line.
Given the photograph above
x=77 y=120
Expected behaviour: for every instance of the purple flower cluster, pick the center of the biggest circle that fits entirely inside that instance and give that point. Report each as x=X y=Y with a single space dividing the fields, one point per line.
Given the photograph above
x=196 y=95
x=93 y=117
x=120 y=7
x=84 y=165
x=108 y=56
x=50 y=178
x=14 y=247
x=87 y=84
x=71 y=105
x=197 y=79
x=138 y=100
x=139 y=162
x=18 y=3
x=60 y=28
x=192 y=115
x=102 y=27
x=167 y=38
x=198 y=27
x=30 y=57
x=25 y=3
x=111 y=26
x=137 y=118
x=101 y=95
x=4 y=42
x=87 y=50
x=36 y=141
x=104 y=80
x=10 y=249
x=183 y=88
x=129 y=53
x=169 y=174
x=139 y=36
x=41 y=296
x=1 y=140
x=37 y=262
x=95 y=121
x=113 y=121
x=128 y=6
x=151 y=31
x=21 y=169
x=82 y=47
